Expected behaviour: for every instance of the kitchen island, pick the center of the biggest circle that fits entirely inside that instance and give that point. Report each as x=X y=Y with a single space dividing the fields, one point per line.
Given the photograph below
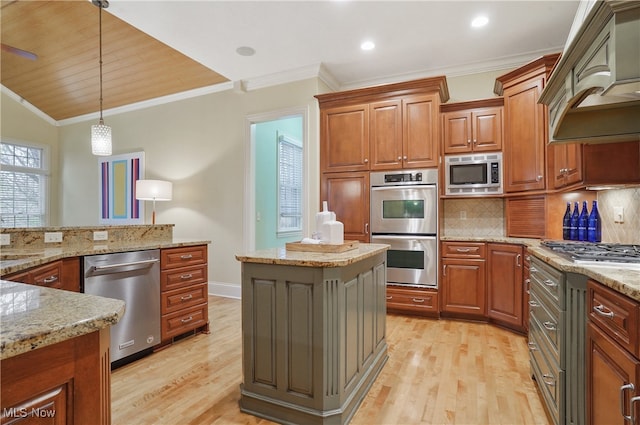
x=313 y=332
x=54 y=347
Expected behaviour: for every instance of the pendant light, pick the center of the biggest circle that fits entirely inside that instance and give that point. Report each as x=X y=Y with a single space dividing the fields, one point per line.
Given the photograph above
x=101 y=133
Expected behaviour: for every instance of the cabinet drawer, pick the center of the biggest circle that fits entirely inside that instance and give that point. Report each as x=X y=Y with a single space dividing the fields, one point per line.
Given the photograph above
x=548 y=281
x=174 y=279
x=617 y=315
x=184 y=321
x=49 y=275
x=183 y=298
x=550 y=378
x=546 y=328
x=419 y=301
x=172 y=258
x=463 y=249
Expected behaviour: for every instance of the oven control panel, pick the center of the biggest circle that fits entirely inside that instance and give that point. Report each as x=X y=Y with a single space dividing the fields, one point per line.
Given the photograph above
x=403 y=177
x=425 y=176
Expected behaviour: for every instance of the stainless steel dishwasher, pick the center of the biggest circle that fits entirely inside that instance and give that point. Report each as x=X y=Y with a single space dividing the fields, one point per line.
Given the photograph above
x=133 y=277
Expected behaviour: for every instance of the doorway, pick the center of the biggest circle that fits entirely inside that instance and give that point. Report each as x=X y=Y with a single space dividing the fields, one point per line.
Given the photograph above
x=276 y=179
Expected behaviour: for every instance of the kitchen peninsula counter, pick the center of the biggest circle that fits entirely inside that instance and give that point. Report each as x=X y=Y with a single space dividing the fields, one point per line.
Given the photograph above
x=624 y=281
x=54 y=347
x=313 y=332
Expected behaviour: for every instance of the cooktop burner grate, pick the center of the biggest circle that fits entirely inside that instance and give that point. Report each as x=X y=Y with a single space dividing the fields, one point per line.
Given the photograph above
x=596 y=252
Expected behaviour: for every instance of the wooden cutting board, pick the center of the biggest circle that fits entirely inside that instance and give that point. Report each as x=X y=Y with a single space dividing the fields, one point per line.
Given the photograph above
x=322 y=247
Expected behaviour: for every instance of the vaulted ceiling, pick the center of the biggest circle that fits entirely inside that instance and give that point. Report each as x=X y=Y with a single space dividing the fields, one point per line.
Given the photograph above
x=153 y=49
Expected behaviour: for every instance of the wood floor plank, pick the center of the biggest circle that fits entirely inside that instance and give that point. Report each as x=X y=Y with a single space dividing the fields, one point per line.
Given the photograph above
x=438 y=372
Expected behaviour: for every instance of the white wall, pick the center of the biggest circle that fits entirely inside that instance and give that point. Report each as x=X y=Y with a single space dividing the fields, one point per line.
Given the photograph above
x=199 y=145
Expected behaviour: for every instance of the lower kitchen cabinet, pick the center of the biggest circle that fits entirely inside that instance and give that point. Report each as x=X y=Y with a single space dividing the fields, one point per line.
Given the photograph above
x=59 y=274
x=526 y=287
x=463 y=288
x=418 y=301
x=505 y=284
x=348 y=196
x=613 y=357
x=183 y=285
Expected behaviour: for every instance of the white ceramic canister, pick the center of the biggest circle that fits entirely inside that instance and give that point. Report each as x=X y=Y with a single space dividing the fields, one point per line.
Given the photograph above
x=322 y=217
x=332 y=232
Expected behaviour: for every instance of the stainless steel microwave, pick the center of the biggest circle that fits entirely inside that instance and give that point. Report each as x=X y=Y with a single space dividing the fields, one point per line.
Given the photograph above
x=473 y=174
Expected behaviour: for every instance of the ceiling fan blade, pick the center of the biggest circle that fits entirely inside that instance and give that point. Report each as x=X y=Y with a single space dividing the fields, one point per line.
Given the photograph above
x=19 y=52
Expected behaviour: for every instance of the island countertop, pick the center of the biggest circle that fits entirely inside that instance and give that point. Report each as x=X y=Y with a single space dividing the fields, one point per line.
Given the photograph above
x=282 y=256
x=34 y=317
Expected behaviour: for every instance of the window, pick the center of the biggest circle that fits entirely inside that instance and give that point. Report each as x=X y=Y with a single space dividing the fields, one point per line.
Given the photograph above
x=289 y=185
x=23 y=185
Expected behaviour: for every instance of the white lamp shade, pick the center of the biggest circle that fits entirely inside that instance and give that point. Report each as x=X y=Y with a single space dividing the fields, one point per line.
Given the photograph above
x=154 y=190
x=101 y=139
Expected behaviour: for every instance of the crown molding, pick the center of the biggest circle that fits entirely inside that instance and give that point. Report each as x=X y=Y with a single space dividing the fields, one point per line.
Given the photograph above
x=28 y=105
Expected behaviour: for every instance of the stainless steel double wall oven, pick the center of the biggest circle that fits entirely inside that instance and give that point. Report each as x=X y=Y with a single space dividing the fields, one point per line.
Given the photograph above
x=404 y=215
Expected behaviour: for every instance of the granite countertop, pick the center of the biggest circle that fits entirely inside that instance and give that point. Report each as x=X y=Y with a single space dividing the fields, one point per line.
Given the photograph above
x=34 y=317
x=281 y=256
x=13 y=260
x=624 y=281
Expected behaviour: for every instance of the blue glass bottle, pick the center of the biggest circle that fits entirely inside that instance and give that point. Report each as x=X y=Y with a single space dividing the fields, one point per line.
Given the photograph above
x=594 y=225
x=583 y=219
x=573 y=228
x=566 y=223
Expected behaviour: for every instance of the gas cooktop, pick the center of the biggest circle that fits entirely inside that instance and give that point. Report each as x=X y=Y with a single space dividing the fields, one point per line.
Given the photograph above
x=597 y=254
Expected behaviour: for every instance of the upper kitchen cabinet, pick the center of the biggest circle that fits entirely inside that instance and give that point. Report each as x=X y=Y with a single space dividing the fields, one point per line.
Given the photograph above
x=565 y=165
x=345 y=138
x=474 y=126
x=382 y=128
x=525 y=125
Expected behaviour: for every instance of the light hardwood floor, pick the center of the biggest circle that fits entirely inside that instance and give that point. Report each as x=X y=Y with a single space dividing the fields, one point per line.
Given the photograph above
x=438 y=372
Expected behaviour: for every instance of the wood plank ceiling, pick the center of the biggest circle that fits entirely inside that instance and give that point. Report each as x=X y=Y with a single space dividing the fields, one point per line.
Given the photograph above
x=64 y=80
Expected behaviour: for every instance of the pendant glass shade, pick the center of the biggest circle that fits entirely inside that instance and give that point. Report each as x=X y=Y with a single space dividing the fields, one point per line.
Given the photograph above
x=101 y=139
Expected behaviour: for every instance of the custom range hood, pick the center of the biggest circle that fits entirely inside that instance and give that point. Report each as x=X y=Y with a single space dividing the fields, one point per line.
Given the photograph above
x=593 y=93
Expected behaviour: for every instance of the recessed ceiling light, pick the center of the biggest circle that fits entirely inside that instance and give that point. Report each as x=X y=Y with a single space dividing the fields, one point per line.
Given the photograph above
x=245 y=51
x=479 y=21
x=368 y=45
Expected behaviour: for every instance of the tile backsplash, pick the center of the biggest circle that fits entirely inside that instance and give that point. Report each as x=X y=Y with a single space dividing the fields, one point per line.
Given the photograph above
x=629 y=230
x=474 y=217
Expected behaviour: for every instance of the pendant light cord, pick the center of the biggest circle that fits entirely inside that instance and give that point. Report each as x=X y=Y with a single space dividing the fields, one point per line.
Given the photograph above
x=100 y=36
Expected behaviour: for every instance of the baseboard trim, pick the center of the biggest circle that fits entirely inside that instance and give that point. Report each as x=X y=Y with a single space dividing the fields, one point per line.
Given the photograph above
x=223 y=289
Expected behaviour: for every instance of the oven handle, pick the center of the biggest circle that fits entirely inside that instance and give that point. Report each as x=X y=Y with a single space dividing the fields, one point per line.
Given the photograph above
x=402 y=237
x=403 y=186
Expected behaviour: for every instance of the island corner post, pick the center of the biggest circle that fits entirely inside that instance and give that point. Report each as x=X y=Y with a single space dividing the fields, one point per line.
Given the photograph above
x=313 y=332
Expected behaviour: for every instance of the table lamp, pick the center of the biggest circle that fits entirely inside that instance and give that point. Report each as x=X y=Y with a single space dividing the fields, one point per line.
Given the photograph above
x=153 y=190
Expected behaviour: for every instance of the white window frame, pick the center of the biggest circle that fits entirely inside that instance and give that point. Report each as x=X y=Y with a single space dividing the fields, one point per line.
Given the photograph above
x=289 y=231
x=43 y=172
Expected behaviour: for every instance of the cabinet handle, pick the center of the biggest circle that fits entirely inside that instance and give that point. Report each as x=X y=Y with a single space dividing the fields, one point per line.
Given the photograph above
x=463 y=249
x=186 y=276
x=550 y=326
x=550 y=283
x=50 y=279
x=518 y=257
x=389 y=297
x=600 y=310
x=444 y=270
x=623 y=388
x=633 y=410
x=532 y=269
x=417 y=300
x=186 y=257
x=186 y=297
x=549 y=379
x=533 y=304
x=366 y=228
x=187 y=320
x=532 y=346
x=527 y=257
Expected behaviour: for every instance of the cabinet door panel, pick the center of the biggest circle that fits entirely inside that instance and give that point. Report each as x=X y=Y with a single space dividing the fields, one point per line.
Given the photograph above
x=463 y=288
x=420 y=131
x=456 y=132
x=524 y=137
x=386 y=135
x=504 y=282
x=487 y=129
x=345 y=138
x=348 y=196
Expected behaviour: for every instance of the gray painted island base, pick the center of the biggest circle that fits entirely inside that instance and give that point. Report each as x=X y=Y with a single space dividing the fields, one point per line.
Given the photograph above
x=313 y=336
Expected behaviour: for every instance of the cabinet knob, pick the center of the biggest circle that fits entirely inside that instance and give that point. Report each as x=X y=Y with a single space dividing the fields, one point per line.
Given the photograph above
x=468 y=141
x=366 y=160
x=399 y=158
x=475 y=141
x=538 y=178
x=404 y=157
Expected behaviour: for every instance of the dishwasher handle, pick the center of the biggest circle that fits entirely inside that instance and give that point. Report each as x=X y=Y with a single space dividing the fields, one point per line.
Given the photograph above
x=127 y=264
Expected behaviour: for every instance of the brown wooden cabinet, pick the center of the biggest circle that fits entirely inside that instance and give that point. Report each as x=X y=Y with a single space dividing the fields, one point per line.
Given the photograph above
x=348 y=196
x=418 y=301
x=59 y=274
x=344 y=131
x=420 y=131
x=565 y=165
x=472 y=126
x=525 y=125
x=463 y=288
x=504 y=284
x=184 y=295
x=613 y=357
